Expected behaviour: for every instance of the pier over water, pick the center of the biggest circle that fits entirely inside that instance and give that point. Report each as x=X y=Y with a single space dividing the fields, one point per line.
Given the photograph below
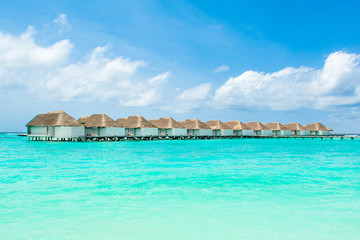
x=157 y=138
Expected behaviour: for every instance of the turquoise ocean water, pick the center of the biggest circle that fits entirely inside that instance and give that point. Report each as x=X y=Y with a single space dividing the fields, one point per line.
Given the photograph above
x=196 y=189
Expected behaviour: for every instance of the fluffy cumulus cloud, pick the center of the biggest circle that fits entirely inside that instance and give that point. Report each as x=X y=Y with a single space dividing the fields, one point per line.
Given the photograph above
x=21 y=51
x=47 y=72
x=337 y=83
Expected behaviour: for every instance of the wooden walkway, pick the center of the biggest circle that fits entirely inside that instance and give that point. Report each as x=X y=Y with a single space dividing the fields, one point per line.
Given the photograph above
x=152 y=138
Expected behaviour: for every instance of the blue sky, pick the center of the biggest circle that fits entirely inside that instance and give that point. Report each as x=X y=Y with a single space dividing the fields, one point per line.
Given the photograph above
x=286 y=61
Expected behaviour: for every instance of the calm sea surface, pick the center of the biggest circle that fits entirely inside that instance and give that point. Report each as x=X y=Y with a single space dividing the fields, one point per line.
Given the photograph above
x=206 y=189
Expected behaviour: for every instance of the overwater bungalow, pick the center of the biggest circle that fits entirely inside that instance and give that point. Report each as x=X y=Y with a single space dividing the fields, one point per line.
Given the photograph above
x=167 y=126
x=318 y=129
x=278 y=129
x=196 y=128
x=53 y=126
x=297 y=129
x=219 y=128
x=102 y=125
x=259 y=129
x=240 y=129
x=138 y=126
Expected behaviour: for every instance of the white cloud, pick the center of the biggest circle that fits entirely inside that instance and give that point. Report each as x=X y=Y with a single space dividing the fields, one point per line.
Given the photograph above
x=62 y=22
x=46 y=72
x=222 y=68
x=21 y=51
x=159 y=79
x=200 y=92
x=191 y=99
x=336 y=84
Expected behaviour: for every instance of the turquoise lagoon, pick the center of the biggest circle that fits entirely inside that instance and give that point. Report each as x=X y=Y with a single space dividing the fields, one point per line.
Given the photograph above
x=195 y=189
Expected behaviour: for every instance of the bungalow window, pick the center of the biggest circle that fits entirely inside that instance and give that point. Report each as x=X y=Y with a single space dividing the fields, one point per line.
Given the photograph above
x=29 y=130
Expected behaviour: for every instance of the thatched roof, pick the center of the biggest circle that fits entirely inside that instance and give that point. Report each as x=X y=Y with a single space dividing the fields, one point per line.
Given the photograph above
x=100 y=120
x=194 y=124
x=256 y=126
x=317 y=127
x=237 y=125
x=295 y=127
x=82 y=120
x=217 y=125
x=137 y=122
x=166 y=122
x=275 y=126
x=120 y=121
x=54 y=118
